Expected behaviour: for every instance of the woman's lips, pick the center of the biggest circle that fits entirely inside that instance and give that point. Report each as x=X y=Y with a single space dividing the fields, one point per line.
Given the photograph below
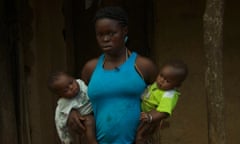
x=106 y=47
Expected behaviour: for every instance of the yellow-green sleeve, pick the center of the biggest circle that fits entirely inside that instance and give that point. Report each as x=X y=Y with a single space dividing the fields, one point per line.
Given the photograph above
x=168 y=101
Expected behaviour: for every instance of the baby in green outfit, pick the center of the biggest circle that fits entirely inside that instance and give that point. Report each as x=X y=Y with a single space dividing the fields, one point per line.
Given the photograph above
x=160 y=98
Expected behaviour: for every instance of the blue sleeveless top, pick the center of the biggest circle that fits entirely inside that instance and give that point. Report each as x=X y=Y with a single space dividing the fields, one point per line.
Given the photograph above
x=115 y=96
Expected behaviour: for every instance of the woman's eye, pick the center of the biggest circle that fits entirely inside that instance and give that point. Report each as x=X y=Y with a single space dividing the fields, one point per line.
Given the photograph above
x=99 y=35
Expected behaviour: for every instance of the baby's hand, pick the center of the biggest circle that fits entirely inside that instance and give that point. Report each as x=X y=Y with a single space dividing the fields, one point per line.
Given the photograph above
x=143 y=116
x=146 y=117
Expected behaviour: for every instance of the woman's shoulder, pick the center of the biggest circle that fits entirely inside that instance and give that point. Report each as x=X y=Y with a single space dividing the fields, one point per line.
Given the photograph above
x=144 y=61
x=147 y=68
x=91 y=63
x=88 y=69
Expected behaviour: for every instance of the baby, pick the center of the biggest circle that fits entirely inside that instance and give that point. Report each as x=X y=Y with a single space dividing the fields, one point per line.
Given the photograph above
x=72 y=95
x=160 y=98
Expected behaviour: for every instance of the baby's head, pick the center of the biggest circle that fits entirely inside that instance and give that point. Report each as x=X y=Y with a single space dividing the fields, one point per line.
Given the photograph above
x=171 y=75
x=63 y=85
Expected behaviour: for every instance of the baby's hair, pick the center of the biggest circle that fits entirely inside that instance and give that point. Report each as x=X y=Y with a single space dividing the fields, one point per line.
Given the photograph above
x=180 y=65
x=113 y=12
x=53 y=77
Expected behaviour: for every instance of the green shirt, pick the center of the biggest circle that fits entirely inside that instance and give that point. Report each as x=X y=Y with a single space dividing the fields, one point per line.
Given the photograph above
x=162 y=101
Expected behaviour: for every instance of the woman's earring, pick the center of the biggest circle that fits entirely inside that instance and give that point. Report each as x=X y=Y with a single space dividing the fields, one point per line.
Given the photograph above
x=125 y=39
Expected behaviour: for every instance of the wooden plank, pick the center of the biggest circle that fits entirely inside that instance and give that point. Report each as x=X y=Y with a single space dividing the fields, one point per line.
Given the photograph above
x=213 y=43
x=8 y=125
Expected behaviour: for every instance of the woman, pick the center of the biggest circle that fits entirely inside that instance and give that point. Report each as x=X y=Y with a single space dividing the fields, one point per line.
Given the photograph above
x=115 y=81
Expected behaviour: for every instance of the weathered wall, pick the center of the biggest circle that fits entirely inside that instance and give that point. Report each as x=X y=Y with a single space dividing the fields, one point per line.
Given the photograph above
x=231 y=63
x=179 y=33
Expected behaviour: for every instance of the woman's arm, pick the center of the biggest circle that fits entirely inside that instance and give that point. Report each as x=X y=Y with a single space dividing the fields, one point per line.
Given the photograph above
x=75 y=122
x=147 y=69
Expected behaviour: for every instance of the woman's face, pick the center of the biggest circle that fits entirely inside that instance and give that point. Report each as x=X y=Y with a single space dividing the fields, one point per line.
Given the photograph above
x=110 y=34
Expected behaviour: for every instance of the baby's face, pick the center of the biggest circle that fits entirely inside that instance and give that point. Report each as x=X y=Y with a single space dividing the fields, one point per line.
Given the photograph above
x=66 y=86
x=167 y=78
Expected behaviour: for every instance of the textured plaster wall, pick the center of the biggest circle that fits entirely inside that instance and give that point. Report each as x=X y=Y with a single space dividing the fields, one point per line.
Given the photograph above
x=231 y=63
x=179 y=34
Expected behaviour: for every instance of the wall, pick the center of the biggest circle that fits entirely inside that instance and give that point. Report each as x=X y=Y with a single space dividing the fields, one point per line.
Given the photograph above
x=49 y=53
x=231 y=67
x=8 y=122
x=179 y=34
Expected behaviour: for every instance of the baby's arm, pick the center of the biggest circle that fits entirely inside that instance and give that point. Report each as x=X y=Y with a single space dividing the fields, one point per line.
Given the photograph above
x=153 y=116
x=165 y=107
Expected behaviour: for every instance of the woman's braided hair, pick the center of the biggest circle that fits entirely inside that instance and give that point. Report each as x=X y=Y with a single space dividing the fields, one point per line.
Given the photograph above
x=113 y=12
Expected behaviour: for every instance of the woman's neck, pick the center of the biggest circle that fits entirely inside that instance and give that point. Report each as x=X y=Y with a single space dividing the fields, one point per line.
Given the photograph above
x=113 y=61
x=116 y=54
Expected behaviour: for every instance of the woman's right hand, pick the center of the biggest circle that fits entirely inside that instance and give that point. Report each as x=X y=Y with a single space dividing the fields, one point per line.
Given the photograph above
x=75 y=122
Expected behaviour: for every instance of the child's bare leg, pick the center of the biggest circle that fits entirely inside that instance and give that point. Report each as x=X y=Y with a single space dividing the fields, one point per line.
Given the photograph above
x=145 y=131
x=142 y=133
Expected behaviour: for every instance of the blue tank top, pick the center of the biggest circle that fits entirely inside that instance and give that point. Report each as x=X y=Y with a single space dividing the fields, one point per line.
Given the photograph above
x=115 y=96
